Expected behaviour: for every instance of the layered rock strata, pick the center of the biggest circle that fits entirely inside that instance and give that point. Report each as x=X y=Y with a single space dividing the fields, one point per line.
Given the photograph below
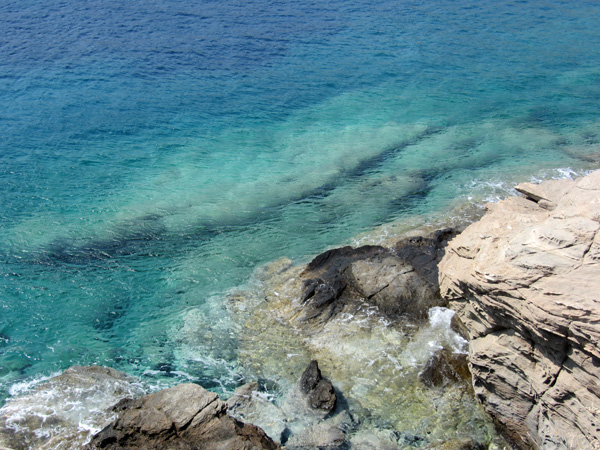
x=524 y=282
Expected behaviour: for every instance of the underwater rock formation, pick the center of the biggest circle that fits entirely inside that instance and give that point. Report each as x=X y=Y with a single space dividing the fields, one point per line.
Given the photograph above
x=372 y=317
x=444 y=368
x=524 y=280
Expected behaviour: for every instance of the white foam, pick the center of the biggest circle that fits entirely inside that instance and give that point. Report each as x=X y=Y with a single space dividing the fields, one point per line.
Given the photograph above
x=67 y=409
x=26 y=385
x=440 y=320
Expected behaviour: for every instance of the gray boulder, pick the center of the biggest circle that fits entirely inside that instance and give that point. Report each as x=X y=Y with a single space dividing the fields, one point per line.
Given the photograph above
x=318 y=390
x=400 y=282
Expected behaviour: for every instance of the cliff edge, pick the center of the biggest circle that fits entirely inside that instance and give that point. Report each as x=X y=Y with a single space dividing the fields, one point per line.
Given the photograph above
x=525 y=282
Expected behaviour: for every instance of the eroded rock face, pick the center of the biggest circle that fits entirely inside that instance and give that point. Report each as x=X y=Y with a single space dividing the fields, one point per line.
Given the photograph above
x=185 y=417
x=524 y=281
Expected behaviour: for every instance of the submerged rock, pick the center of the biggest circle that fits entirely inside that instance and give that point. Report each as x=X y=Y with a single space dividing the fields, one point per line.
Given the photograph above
x=457 y=444
x=373 y=319
x=185 y=417
x=524 y=281
x=321 y=436
x=249 y=404
x=444 y=368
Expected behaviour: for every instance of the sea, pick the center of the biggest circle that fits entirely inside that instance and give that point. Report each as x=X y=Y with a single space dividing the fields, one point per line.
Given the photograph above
x=155 y=153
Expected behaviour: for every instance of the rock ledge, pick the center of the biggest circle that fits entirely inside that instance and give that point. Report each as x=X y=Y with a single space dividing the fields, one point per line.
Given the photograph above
x=524 y=281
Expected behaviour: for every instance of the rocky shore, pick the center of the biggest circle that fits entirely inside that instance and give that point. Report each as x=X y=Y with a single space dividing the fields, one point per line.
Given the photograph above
x=362 y=351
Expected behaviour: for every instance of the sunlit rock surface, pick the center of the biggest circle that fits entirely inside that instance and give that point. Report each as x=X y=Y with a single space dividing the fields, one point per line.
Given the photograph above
x=184 y=417
x=524 y=281
x=100 y=408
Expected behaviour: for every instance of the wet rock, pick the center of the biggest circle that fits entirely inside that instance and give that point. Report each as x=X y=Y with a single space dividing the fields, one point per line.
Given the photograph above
x=393 y=286
x=373 y=352
x=425 y=252
x=242 y=396
x=457 y=444
x=399 y=281
x=524 y=281
x=322 y=436
x=248 y=404
x=185 y=417
x=444 y=368
x=318 y=390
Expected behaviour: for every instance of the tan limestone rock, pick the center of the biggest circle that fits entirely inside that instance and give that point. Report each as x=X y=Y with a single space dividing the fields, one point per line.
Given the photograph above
x=525 y=282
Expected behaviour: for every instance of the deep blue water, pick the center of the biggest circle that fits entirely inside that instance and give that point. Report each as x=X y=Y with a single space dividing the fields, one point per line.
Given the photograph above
x=152 y=154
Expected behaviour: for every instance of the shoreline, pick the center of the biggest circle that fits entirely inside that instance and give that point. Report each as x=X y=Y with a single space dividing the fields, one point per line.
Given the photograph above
x=278 y=335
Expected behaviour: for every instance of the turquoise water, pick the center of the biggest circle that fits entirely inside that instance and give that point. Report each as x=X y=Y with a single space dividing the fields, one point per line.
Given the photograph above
x=153 y=154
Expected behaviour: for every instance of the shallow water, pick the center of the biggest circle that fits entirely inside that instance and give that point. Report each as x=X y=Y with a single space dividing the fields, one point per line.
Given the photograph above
x=153 y=154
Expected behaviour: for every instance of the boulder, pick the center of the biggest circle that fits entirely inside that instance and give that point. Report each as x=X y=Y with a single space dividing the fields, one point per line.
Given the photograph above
x=399 y=281
x=185 y=417
x=318 y=390
x=524 y=281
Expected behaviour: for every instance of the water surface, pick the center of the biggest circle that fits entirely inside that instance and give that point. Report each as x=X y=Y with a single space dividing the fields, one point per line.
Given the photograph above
x=153 y=154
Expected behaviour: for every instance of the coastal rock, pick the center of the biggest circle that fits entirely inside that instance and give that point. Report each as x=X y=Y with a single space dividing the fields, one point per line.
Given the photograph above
x=321 y=436
x=401 y=281
x=373 y=350
x=524 y=282
x=185 y=417
x=318 y=390
x=249 y=404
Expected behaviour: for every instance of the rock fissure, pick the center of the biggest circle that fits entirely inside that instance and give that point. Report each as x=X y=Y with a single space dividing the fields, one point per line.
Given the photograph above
x=589 y=247
x=378 y=291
